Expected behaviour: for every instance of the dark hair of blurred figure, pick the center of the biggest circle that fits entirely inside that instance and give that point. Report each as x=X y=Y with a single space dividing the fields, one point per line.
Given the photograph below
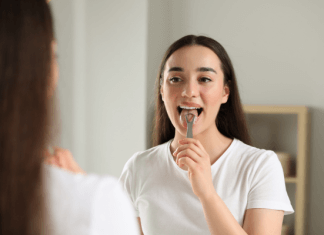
x=230 y=120
x=26 y=36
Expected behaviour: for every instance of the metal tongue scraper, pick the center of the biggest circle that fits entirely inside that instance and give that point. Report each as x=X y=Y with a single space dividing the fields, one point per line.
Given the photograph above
x=190 y=119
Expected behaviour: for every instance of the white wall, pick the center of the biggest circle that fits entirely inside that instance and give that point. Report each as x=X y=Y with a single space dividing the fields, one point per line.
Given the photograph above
x=116 y=82
x=63 y=22
x=277 y=51
x=158 y=40
x=102 y=88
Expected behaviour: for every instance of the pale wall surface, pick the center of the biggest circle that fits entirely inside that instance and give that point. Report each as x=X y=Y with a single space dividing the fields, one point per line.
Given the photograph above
x=116 y=82
x=63 y=23
x=103 y=96
x=158 y=40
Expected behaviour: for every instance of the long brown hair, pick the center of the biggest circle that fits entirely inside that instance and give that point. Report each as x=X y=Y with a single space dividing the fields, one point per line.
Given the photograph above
x=230 y=120
x=26 y=34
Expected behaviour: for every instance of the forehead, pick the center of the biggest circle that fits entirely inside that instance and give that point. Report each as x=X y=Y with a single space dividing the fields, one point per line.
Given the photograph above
x=192 y=57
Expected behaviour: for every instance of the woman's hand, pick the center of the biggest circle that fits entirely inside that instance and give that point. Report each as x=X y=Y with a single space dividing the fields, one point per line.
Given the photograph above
x=63 y=158
x=192 y=154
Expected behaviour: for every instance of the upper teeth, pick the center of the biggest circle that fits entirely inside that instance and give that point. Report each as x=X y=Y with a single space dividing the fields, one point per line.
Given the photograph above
x=184 y=107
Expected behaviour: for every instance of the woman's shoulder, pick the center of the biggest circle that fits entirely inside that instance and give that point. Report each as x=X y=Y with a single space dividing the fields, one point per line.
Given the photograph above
x=112 y=210
x=253 y=154
x=72 y=183
x=82 y=185
x=251 y=151
x=142 y=158
x=87 y=200
x=255 y=161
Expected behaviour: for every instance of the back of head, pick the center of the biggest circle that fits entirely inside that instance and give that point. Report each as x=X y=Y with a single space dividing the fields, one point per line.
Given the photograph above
x=26 y=35
x=230 y=120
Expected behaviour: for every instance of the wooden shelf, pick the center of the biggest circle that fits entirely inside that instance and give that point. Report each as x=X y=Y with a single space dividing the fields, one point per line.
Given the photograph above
x=302 y=158
x=261 y=109
x=291 y=180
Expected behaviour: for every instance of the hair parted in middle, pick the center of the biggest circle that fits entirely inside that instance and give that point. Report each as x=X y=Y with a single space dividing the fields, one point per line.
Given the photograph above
x=230 y=120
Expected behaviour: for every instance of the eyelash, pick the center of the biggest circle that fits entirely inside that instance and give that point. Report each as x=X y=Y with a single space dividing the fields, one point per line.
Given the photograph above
x=202 y=79
x=172 y=79
x=205 y=78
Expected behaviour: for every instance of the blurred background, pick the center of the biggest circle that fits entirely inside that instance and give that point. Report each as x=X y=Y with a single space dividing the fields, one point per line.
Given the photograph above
x=109 y=54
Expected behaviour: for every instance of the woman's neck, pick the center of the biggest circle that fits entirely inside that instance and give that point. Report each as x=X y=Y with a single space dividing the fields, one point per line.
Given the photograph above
x=213 y=141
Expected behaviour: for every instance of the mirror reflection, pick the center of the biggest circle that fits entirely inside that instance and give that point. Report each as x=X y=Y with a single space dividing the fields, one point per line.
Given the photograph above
x=164 y=117
x=275 y=49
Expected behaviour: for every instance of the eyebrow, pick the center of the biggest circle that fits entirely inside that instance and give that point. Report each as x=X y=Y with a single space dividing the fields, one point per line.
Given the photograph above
x=177 y=69
x=201 y=69
x=206 y=69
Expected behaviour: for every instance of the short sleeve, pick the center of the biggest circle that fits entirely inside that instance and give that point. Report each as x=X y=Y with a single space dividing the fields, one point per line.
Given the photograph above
x=112 y=212
x=268 y=189
x=127 y=181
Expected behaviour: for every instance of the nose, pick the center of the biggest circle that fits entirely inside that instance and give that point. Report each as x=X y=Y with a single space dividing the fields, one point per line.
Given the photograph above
x=190 y=89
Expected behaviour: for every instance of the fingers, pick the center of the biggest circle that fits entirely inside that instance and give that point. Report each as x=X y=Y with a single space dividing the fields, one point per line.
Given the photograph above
x=182 y=150
x=60 y=155
x=66 y=160
x=191 y=164
x=188 y=153
x=191 y=148
x=47 y=154
x=62 y=158
x=194 y=142
x=51 y=160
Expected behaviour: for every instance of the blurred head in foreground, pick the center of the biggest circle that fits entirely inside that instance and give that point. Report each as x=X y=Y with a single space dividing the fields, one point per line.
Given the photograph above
x=28 y=75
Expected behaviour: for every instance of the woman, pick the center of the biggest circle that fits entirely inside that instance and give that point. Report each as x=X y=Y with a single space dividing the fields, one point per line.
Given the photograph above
x=213 y=183
x=36 y=198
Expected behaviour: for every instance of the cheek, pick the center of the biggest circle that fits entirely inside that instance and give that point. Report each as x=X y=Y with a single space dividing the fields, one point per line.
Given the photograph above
x=212 y=97
x=170 y=102
x=171 y=94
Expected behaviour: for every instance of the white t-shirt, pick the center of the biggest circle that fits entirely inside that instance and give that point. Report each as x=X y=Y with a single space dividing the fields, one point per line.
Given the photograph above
x=244 y=177
x=86 y=205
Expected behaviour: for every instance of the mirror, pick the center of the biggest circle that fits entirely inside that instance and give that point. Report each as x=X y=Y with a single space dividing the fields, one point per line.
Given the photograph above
x=109 y=53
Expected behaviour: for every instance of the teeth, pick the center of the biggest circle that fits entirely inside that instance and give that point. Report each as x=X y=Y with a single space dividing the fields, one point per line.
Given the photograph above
x=183 y=107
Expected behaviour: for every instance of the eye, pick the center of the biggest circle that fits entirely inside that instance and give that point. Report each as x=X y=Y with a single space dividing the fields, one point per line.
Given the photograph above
x=175 y=79
x=204 y=79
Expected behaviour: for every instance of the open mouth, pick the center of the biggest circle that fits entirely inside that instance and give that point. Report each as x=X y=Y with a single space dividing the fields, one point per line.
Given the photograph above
x=199 y=110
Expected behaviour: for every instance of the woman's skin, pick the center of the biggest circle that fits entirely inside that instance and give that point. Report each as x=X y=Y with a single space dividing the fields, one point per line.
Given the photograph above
x=193 y=77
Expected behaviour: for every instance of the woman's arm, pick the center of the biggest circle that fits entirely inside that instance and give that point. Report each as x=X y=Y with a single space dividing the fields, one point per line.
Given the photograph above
x=263 y=221
x=219 y=218
x=257 y=221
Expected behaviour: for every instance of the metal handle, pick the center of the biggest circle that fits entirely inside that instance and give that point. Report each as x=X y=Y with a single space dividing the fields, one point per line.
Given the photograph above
x=189 y=125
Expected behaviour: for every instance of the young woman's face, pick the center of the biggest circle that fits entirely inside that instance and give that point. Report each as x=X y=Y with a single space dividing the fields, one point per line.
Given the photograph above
x=193 y=78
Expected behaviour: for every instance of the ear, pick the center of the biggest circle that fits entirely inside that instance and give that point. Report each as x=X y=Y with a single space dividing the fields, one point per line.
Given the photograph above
x=226 y=93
